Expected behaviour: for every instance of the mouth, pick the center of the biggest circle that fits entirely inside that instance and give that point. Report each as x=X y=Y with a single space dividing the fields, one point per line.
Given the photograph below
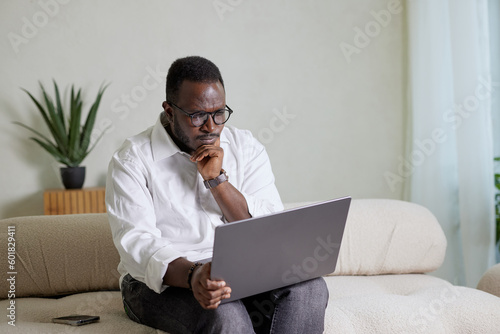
x=208 y=139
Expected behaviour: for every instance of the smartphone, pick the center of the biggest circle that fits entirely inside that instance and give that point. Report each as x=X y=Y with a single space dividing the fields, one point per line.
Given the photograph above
x=76 y=319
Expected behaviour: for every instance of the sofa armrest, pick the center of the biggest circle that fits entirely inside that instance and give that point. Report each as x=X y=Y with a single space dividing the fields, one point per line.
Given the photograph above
x=490 y=282
x=57 y=255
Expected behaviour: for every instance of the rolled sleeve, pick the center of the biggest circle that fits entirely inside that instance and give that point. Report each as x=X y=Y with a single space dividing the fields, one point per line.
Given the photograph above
x=144 y=253
x=258 y=207
x=157 y=267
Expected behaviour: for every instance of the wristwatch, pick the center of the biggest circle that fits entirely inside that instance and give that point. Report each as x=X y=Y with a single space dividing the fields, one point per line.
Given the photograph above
x=218 y=180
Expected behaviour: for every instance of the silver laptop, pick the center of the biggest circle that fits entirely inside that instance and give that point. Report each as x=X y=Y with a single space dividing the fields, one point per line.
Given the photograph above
x=265 y=253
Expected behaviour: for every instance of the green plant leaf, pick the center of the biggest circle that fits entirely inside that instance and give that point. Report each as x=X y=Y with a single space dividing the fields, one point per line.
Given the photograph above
x=76 y=151
x=49 y=147
x=97 y=141
x=74 y=128
x=497 y=181
x=70 y=143
x=60 y=113
x=45 y=117
x=89 y=123
x=40 y=108
x=35 y=132
x=56 y=124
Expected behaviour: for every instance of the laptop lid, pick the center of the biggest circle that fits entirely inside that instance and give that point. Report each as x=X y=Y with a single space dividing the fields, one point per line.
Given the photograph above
x=265 y=253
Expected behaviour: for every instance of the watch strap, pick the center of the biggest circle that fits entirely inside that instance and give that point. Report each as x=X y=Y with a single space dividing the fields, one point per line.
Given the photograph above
x=212 y=183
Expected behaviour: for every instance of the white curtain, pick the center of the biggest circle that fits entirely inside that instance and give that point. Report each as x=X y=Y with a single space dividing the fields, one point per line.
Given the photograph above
x=494 y=17
x=449 y=163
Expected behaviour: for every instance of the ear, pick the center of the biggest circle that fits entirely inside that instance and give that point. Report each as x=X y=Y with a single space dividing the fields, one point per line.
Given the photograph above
x=168 y=110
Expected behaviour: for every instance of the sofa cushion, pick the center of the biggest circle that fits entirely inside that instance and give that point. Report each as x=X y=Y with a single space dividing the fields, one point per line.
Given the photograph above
x=357 y=304
x=390 y=237
x=411 y=303
x=57 y=255
x=34 y=315
x=384 y=236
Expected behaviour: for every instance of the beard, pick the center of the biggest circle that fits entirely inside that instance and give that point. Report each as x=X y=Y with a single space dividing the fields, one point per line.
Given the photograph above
x=180 y=137
x=182 y=140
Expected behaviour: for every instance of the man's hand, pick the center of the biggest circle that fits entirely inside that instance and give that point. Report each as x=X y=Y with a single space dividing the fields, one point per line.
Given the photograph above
x=207 y=292
x=209 y=160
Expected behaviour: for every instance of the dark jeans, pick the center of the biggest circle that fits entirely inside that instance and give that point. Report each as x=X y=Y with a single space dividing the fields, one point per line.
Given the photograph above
x=298 y=308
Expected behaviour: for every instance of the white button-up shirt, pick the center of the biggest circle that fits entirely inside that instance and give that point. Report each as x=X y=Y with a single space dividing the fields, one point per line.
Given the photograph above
x=159 y=209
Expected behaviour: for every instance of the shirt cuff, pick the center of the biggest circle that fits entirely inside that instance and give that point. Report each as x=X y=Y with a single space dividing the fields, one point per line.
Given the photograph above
x=157 y=267
x=258 y=207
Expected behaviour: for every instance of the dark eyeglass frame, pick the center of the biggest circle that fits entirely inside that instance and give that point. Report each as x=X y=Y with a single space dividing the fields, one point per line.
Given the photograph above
x=203 y=113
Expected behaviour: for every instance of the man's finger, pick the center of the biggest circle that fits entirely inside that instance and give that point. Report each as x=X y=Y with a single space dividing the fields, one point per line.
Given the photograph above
x=206 y=152
x=212 y=285
x=206 y=148
x=211 y=307
x=216 y=298
x=212 y=294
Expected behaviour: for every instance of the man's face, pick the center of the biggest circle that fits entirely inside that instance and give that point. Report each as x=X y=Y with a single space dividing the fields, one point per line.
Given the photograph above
x=195 y=97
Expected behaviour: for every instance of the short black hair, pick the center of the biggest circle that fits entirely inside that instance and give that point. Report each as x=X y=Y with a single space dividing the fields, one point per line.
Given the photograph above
x=192 y=68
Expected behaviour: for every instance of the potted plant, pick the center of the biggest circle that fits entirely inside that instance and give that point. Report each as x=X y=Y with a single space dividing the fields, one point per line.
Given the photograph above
x=70 y=142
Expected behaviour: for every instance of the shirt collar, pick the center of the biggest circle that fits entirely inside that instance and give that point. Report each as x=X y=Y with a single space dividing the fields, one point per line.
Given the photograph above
x=164 y=147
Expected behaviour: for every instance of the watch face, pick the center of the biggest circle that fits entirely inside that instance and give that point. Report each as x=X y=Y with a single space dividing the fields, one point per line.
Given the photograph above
x=223 y=177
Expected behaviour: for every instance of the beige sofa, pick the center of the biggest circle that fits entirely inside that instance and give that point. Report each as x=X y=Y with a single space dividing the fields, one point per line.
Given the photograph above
x=67 y=265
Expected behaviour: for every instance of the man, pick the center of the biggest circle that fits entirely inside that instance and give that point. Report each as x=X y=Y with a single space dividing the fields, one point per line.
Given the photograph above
x=168 y=188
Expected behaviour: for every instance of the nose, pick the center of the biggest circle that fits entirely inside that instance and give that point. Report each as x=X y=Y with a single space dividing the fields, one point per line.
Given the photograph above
x=209 y=125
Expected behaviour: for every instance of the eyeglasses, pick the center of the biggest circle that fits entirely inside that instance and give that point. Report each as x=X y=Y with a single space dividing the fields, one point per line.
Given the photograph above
x=199 y=118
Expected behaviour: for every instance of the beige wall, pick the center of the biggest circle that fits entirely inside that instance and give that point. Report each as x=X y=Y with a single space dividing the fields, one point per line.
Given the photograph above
x=326 y=100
